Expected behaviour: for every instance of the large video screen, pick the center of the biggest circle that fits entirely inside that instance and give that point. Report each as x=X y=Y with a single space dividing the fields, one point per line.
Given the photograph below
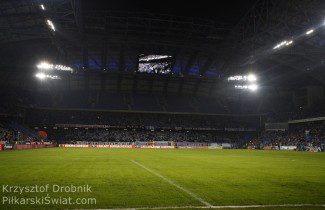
x=158 y=64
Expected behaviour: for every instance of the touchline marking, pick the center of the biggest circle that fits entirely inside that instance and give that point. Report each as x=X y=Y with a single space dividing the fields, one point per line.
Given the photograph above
x=219 y=207
x=173 y=183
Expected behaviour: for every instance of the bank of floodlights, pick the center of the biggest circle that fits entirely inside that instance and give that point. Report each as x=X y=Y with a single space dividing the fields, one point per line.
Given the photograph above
x=49 y=66
x=249 y=78
x=310 y=31
x=252 y=87
x=50 y=24
x=43 y=76
x=282 y=44
x=246 y=82
x=47 y=70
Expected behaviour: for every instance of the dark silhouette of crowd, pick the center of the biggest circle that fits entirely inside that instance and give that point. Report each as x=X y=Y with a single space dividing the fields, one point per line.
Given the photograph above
x=74 y=135
x=303 y=136
x=134 y=119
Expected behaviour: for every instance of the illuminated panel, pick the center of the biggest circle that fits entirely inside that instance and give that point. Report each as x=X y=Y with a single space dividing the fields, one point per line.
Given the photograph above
x=158 y=64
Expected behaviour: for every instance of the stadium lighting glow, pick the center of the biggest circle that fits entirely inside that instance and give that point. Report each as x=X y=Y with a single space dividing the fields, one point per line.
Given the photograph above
x=289 y=43
x=40 y=76
x=281 y=44
x=235 y=78
x=42 y=7
x=62 y=68
x=253 y=87
x=49 y=66
x=43 y=76
x=45 y=65
x=50 y=24
x=251 y=78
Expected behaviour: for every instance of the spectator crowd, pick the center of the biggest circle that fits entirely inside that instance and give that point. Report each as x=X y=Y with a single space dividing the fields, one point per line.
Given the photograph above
x=302 y=136
x=107 y=135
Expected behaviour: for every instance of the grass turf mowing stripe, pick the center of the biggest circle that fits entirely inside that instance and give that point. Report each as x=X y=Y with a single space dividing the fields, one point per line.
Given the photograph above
x=173 y=183
x=221 y=207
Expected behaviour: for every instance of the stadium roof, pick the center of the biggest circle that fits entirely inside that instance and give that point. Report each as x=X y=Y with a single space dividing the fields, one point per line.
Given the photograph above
x=202 y=40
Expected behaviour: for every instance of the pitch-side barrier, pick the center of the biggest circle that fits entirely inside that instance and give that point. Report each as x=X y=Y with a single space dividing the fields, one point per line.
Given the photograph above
x=130 y=146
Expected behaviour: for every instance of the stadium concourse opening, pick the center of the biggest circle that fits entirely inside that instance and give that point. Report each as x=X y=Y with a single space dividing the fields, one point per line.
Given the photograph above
x=143 y=104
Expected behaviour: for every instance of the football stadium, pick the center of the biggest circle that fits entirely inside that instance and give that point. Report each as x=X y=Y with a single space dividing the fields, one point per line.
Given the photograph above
x=143 y=104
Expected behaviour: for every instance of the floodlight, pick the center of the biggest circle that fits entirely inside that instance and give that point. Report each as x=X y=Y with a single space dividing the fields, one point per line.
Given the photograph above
x=45 y=65
x=276 y=47
x=310 y=31
x=43 y=76
x=62 y=68
x=40 y=76
x=251 y=78
x=49 y=66
x=285 y=42
x=236 y=77
x=50 y=24
x=42 y=7
x=289 y=42
x=252 y=87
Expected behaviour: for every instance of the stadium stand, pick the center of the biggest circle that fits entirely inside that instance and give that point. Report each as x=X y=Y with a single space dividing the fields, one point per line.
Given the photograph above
x=180 y=89
x=305 y=138
x=174 y=115
x=111 y=101
x=145 y=103
x=153 y=105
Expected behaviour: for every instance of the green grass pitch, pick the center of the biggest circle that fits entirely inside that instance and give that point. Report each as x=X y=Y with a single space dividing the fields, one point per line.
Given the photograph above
x=219 y=177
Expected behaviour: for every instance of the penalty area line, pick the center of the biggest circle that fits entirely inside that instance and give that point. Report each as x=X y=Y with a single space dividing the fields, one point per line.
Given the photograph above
x=174 y=184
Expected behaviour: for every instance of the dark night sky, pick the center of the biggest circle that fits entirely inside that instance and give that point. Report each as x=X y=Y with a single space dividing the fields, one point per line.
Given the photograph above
x=228 y=11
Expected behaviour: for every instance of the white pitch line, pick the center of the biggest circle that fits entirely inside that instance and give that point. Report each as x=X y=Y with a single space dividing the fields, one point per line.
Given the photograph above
x=174 y=184
x=219 y=207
